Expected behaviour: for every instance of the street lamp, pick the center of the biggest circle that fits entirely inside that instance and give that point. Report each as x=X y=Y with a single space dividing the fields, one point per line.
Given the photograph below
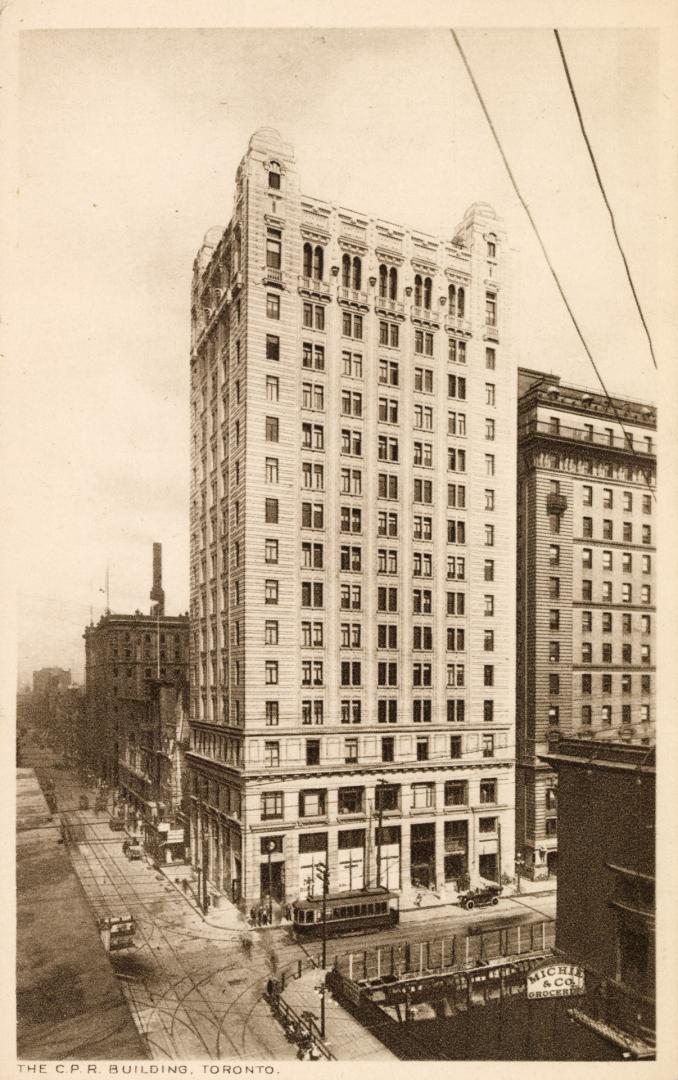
x=270 y=848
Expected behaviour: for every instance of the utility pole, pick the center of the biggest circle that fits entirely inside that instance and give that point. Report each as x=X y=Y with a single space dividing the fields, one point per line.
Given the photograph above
x=270 y=848
x=204 y=869
x=499 y=851
x=378 y=794
x=323 y=873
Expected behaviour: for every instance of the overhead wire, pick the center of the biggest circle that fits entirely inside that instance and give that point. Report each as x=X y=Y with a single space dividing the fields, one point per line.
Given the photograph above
x=603 y=192
x=535 y=229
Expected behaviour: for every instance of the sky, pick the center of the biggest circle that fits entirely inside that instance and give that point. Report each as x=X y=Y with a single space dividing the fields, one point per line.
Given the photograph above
x=128 y=145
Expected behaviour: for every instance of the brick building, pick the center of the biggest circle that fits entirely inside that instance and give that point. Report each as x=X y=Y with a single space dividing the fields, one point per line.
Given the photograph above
x=606 y=883
x=124 y=654
x=353 y=402
x=586 y=595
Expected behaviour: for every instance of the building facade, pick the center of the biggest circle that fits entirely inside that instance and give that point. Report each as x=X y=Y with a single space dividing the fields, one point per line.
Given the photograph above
x=586 y=587
x=152 y=770
x=606 y=883
x=48 y=680
x=353 y=402
x=124 y=655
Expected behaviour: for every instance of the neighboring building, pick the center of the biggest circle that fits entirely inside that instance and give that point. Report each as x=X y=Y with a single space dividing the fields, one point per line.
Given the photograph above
x=606 y=883
x=69 y=722
x=47 y=680
x=586 y=586
x=353 y=432
x=124 y=654
x=152 y=783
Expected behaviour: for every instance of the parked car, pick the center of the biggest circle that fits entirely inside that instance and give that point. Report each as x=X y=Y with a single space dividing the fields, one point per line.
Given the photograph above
x=84 y=802
x=116 y=824
x=133 y=850
x=481 y=897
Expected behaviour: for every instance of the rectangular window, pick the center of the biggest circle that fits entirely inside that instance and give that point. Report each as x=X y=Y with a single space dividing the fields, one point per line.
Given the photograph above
x=272 y=713
x=272 y=306
x=272 y=805
x=312 y=803
x=488 y=791
x=271 y=754
x=271 y=511
x=272 y=347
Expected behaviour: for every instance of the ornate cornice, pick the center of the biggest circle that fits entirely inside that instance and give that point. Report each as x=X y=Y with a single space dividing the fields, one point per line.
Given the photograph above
x=314 y=234
x=352 y=246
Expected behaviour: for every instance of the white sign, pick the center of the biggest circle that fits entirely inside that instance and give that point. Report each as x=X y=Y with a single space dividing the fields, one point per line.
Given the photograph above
x=556 y=980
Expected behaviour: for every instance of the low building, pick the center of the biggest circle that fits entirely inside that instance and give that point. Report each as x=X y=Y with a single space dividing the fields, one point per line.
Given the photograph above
x=606 y=883
x=153 y=788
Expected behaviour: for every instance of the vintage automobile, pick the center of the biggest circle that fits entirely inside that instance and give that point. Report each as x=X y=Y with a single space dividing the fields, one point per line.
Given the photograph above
x=83 y=802
x=116 y=824
x=132 y=849
x=481 y=897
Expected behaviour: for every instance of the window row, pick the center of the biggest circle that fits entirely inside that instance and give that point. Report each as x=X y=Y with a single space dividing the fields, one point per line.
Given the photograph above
x=313 y=802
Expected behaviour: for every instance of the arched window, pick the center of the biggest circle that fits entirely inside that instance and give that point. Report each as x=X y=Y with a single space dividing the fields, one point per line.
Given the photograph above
x=417 y=290
x=357 y=272
x=452 y=300
x=461 y=302
x=393 y=283
x=318 y=263
x=308 y=260
x=274 y=175
x=491 y=246
x=346 y=271
x=428 y=288
x=383 y=277
x=237 y=250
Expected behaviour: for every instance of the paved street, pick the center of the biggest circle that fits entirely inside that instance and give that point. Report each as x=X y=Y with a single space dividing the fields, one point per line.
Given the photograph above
x=195 y=988
x=194 y=991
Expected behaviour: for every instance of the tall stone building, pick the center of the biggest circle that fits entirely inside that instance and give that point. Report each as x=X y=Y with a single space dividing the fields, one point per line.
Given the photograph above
x=353 y=402
x=124 y=654
x=586 y=592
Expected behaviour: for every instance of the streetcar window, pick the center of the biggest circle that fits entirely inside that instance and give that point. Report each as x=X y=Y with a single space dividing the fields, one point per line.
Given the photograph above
x=370 y=909
x=309 y=916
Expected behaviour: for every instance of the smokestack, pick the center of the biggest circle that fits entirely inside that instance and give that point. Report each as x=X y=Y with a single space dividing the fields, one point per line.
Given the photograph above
x=157 y=592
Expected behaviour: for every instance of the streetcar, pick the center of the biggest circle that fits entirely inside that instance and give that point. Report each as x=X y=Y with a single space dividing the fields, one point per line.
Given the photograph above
x=117 y=931
x=346 y=913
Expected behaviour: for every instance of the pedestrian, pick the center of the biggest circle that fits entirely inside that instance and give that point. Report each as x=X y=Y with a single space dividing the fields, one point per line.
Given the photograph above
x=264 y=918
x=253 y=914
x=258 y=916
x=418 y=899
x=288 y=912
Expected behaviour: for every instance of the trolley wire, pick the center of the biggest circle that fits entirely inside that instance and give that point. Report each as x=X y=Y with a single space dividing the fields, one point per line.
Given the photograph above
x=603 y=192
x=554 y=274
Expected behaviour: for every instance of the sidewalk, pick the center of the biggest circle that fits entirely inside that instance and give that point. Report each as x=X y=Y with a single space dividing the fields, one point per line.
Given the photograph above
x=414 y=902
x=224 y=917
x=346 y=1038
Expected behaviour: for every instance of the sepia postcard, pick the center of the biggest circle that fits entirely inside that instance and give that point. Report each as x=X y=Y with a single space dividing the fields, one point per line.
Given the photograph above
x=338 y=360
